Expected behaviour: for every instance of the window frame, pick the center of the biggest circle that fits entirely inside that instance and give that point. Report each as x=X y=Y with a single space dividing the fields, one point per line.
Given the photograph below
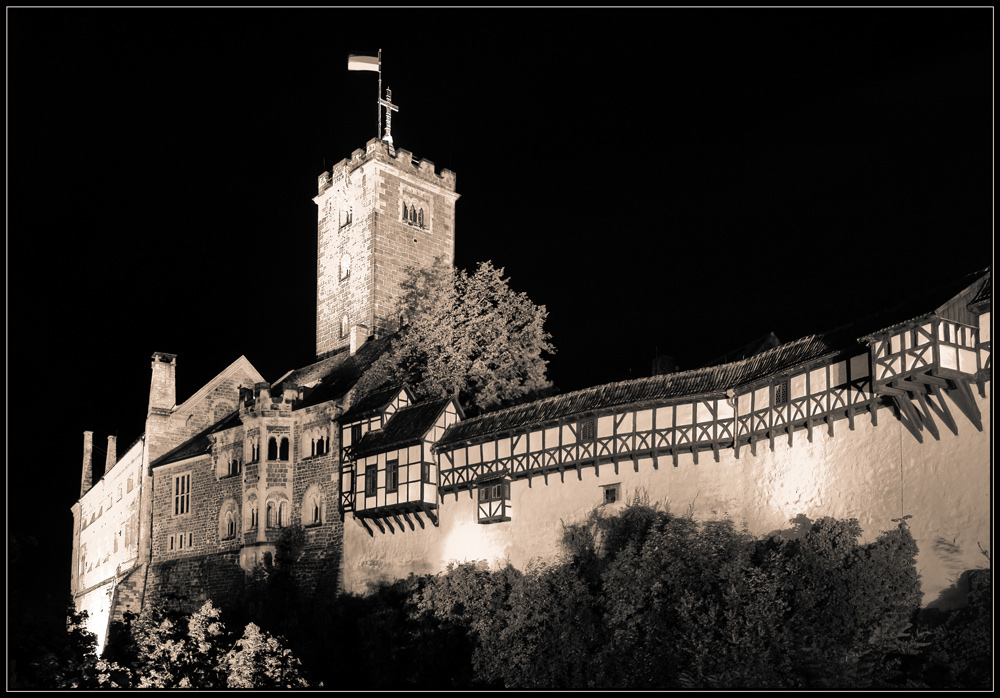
x=371 y=481
x=392 y=476
x=616 y=489
x=181 y=499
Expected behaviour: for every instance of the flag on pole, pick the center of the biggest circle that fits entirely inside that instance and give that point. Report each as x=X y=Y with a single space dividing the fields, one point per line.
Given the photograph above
x=363 y=63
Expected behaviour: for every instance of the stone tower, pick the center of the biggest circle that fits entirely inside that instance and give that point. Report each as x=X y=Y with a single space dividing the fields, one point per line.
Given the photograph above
x=379 y=212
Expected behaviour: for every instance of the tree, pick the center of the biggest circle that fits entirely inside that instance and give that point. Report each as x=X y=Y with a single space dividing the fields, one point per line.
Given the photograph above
x=467 y=335
x=166 y=649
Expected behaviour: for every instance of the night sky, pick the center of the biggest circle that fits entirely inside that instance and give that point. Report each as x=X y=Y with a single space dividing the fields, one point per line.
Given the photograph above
x=672 y=181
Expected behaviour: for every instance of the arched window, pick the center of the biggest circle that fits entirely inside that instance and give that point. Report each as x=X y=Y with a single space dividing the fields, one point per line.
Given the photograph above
x=420 y=218
x=272 y=449
x=413 y=214
x=312 y=506
x=271 y=515
x=230 y=525
x=404 y=211
x=282 y=514
x=344 y=327
x=254 y=456
x=253 y=516
x=283 y=451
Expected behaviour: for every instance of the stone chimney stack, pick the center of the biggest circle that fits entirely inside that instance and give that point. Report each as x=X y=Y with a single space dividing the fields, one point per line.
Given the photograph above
x=88 y=462
x=112 y=458
x=359 y=334
x=163 y=386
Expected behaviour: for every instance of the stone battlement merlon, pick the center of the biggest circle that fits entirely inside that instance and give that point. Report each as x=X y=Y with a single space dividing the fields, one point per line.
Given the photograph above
x=379 y=150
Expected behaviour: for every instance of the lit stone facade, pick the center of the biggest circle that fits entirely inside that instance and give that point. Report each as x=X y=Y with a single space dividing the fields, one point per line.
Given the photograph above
x=379 y=212
x=876 y=423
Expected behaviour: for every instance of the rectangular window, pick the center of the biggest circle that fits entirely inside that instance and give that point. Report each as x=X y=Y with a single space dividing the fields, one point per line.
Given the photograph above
x=781 y=394
x=130 y=485
x=182 y=494
x=425 y=472
x=371 y=481
x=494 y=491
x=612 y=493
x=355 y=434
x=392 y=476
x=587 y=430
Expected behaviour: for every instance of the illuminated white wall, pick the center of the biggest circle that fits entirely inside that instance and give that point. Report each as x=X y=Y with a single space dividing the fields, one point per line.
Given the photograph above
x=874 y=474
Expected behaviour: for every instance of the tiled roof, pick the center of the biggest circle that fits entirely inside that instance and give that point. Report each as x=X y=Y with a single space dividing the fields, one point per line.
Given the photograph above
x=702 y=382
x=333 y=376
x=406 y=427
x=198 y=444
x=920 y=302
x=370 y=404
x=684 y=384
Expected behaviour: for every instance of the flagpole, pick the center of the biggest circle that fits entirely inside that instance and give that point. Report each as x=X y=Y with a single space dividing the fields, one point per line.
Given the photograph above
x=377 y=105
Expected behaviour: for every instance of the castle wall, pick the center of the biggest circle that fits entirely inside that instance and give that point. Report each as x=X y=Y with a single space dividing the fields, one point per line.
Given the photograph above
x=108 y=541
x=873 y=473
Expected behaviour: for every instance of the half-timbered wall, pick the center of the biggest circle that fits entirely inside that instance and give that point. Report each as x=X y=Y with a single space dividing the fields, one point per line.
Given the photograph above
x=812 y=443
x=353 y=431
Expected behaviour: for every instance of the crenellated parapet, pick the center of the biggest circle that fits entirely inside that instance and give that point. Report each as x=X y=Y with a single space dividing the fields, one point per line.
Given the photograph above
x=377 y=150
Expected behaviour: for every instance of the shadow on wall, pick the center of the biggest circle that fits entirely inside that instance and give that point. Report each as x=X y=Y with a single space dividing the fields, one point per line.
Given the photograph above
x=957 y=595
x=800 y=526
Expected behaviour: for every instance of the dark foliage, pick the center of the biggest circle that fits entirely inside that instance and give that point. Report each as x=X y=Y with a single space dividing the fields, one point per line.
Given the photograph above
x=642 y=599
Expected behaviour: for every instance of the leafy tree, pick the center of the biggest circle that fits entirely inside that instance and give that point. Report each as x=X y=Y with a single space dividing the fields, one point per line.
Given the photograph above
x=260 y=661
x=468 y=335
x=166 y=649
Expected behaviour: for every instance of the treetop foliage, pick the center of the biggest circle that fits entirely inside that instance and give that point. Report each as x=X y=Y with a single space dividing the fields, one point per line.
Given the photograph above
x=466 y=335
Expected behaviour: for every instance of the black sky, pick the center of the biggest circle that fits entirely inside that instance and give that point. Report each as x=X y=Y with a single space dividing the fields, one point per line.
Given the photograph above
x=681 y=181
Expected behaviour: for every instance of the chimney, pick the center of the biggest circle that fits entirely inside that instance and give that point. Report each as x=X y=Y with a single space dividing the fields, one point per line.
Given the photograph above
x=359 y=333
x=88 y=462
x=263 y=392
x=112 y=458
x=163 y=386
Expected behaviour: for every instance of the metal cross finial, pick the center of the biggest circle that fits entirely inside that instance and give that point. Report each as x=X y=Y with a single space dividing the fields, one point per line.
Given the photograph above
x=389 y=109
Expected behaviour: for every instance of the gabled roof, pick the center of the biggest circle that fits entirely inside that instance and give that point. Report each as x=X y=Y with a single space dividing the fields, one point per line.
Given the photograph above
x=371 y=404
x=924 y=301
x=200 y=443
x=240 y=363
x=407 y=426
x=331 y=378
x=710 y=381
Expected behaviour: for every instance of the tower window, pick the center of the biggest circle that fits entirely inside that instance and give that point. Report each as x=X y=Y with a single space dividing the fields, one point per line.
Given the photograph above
x=420 y=218
x=272 y=449
x=283 y=449
x=345 y=266
x=182 y=494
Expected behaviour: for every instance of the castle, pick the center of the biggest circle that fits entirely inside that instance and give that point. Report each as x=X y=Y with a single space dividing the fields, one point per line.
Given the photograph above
x=875 y=421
